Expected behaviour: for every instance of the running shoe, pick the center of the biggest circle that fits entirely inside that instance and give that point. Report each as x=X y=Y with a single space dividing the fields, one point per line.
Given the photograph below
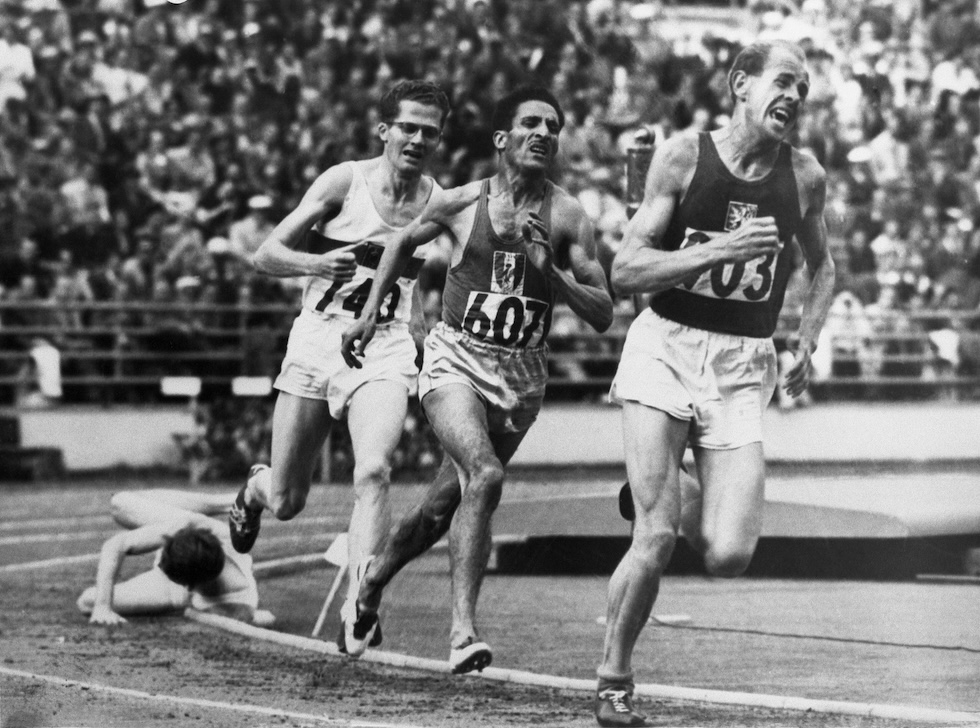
x=244 y=521
x=365 y=631
x=469 y=657
x=360 y=629
x=359 y=633
x=614 y=707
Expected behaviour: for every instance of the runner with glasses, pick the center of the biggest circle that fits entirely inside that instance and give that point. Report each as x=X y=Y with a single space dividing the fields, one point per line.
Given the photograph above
x=335 y=238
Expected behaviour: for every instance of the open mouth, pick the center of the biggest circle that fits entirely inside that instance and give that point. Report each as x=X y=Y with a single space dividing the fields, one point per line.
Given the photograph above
x=538 y=148
x=781 y=115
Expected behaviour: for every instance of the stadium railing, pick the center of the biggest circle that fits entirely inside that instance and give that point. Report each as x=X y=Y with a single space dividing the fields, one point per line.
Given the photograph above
x=119 y=351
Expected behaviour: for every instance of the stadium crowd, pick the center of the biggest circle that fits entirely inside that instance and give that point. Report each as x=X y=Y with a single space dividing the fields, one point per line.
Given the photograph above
x=146 y=148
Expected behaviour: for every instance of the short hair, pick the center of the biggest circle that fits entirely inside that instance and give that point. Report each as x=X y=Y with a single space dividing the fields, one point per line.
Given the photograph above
x=753 y=59
x=422 y=92
x=503 y=113
x=192 y=556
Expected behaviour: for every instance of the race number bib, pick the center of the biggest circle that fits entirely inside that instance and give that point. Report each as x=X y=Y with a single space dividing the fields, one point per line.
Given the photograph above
x=747 y=281
x=506 y=320
x=347 y=298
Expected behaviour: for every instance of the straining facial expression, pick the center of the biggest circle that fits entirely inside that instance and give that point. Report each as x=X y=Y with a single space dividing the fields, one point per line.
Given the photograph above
x=772 y=82
x=532 y=141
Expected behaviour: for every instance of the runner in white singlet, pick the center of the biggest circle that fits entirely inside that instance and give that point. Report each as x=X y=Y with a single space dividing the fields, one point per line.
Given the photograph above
x=335 y=238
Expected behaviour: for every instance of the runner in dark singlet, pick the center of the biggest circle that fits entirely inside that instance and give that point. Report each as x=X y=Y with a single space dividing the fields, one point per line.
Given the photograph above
x=710 y=242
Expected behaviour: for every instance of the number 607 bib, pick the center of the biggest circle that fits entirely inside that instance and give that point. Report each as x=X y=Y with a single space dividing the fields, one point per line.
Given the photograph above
x=506 y=319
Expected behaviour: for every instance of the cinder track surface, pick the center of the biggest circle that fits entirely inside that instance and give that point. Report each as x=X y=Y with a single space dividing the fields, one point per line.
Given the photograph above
x=898 y=643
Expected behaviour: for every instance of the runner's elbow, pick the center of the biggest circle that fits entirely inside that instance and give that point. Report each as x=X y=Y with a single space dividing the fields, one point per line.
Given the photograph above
x=603 y=319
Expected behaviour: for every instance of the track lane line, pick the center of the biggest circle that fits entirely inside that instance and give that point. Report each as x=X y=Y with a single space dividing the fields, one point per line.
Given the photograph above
x=651 y=690
x=11 y=524
x=84 y=558
x=199 y=702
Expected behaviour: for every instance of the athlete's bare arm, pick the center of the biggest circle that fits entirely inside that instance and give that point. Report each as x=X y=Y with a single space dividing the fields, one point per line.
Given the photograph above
x=439 y=216
x=812 y=181
x=138 y=541
x=278 y=255
x=642 y=266
x=584 y=288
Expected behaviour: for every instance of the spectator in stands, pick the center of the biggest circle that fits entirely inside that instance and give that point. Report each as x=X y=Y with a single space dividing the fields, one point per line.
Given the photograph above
x=190 y=165
x=24 y=260
x=890 y=154
x=246 y=235
x=16 y=63
x=41 y=373
x=86 y=226
x=131 y=88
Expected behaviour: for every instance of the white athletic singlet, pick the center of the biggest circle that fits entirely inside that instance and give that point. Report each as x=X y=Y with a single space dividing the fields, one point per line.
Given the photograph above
x=359 y=228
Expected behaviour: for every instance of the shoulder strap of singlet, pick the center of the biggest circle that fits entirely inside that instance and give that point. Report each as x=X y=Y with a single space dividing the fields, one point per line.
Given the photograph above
x=708 y=152
x=481 y=219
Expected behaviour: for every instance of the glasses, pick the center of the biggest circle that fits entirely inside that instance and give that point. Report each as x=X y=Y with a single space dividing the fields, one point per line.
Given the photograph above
x=410 y=129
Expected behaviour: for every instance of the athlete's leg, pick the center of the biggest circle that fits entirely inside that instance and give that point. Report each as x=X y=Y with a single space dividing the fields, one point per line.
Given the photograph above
x=299 y=427
x=692 y=504
x=133 y=509
x=458 y=416
x=413 y=535
x=733 y=486
x=148 y=593
x=376 y=419
x=654 y=444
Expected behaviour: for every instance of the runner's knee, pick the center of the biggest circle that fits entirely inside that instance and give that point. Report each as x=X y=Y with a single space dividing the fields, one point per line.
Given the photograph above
x=653 y=545
x=727 y=561
x=371 y=477
x=486 y=483
x=286 y=506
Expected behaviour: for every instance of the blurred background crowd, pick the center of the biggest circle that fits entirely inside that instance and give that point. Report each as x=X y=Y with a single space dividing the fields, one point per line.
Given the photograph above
x=147 y=147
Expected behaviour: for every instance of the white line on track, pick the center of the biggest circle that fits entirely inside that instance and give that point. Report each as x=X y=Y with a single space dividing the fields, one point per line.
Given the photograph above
x=92 y=535
x=200 y=703
x=53 y=537
x=668 y=692
x=11 y=524
x=47 y=563
x=83 y=558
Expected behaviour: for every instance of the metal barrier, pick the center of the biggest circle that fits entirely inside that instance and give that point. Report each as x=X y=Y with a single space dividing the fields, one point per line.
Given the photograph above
x=120 y=351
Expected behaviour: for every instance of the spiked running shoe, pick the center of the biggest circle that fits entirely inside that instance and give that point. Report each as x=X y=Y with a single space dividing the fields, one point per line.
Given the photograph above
x=243 y=521
x=614 y=707
x=363 y=626
x=357 y=634
x=469 y=657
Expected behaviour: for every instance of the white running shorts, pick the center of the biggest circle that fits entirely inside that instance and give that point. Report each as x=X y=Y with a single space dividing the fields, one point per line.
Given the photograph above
x=510 y=381
x=721 y=383
x=314 y=368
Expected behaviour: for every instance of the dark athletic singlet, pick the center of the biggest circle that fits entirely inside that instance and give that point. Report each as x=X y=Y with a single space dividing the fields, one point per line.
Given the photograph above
x=744 y=298
x=495 y=293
